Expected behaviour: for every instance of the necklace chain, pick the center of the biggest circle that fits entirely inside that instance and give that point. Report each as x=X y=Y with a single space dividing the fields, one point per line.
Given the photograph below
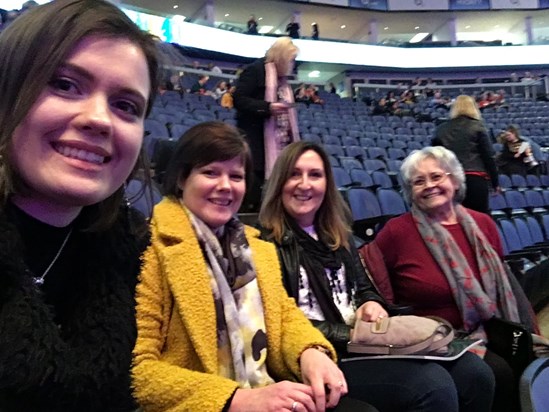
x=40 y=280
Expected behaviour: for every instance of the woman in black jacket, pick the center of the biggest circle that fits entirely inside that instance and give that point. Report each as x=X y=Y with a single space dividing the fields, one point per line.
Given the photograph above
x=306 y=218
x=265 y=111
x=465 y=135
x=77 y=79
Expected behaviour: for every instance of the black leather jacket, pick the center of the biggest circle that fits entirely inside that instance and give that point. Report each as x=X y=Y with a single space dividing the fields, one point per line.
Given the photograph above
x=468 y=139
x=337 y=333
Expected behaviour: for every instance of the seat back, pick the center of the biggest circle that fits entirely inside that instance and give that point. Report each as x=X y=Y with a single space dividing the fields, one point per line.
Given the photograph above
x=341 y=177
x=510 y=234
x=363 y=203
x=361 y=177
x=140 y=198
x=534 y=384
x=381 y=178
x=390 y=202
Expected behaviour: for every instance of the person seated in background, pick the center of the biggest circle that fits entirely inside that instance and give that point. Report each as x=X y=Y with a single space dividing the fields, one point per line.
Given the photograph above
x=382 y=107
x=312 y=94
x=307 y=219
x=391 y=98
x=227 y=98
x=77 y=79
x=200 y=86
x=517 y=156
x=220 y=90
x=214 y=68
x=446 y=260
x=440 y=101
x=216 y=329
x=430 y=88
x=417 y=87
x=300 y=94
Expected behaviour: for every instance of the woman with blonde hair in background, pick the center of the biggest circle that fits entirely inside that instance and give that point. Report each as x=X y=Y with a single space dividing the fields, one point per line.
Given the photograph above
x=466 y=136
x=264 y=102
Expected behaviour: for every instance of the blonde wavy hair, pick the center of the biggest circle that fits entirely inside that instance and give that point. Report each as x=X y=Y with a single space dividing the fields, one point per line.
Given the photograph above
x=465 y=106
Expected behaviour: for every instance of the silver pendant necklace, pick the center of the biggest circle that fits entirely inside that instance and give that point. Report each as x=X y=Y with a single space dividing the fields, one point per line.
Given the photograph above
x=40 y=280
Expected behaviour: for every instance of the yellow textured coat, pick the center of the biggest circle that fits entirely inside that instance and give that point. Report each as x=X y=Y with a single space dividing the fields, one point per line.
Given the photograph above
x=175 y=358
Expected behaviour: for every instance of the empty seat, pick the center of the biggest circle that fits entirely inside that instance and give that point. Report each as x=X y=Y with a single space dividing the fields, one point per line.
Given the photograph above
x=381 y=178
x=377 y=153
x=374 y=164
x=363 y=203
x=350 y=163
x=141 y=198
x=390 y=202
x=361 y=177
x=356 y=151
x=341 y=177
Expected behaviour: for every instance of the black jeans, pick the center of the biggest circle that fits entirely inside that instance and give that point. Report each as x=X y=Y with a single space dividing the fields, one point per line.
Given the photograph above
x=478 y=191
x=397 y=385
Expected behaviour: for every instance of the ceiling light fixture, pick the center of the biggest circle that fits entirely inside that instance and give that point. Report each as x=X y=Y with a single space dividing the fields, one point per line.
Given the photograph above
x=386 y=28
x=467 y=27
x=261 y=18
x=343 y=26
x=314 y=74
x=227 y=14
x=417 y=27
x=175 y=6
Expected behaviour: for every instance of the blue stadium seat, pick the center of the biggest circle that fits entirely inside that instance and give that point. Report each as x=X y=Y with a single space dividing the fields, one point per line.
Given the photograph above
x=140 y=198
x=534 y=396
x=381 y=178
x=341 y=177
x=374 y=164
x=350 y=163
x=390 y=202
x=361 y=177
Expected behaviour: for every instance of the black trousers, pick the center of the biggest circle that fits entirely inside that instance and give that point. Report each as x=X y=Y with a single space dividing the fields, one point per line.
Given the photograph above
x=478 y=192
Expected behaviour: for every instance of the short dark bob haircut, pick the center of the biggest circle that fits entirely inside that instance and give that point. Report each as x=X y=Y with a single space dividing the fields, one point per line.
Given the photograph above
x=32 y=48
x=201 y=145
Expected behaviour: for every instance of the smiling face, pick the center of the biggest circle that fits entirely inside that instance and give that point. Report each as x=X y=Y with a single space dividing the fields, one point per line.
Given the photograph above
x=81 y=138
x=303 y=192
x=214 y=192
x=433 y=198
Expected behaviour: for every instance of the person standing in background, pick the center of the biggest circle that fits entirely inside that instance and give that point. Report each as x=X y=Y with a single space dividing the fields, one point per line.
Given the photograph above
x=466 y=136
x=292 y=28
x=265 y=111
x=252 y=25
x=314 y=34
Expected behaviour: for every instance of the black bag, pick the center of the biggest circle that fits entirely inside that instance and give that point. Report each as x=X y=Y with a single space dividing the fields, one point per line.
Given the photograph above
x=512 y=341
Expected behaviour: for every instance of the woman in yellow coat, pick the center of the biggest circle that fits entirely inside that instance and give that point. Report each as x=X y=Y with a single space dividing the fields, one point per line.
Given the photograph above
x=216 y=329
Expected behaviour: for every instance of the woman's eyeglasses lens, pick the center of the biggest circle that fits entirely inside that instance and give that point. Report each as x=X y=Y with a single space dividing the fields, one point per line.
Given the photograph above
x=434 y=178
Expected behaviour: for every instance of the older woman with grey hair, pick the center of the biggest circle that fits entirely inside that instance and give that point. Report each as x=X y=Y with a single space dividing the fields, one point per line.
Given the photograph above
x=466 y=136
x=445 y=259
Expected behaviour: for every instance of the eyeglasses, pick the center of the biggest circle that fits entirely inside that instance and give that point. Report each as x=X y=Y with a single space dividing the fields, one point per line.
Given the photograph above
x=435 y=178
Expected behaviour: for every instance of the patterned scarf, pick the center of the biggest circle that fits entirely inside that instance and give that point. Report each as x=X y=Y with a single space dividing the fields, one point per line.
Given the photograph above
x=477 y=299
x=241 y=331
x=281 y=130
x=322 y=264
